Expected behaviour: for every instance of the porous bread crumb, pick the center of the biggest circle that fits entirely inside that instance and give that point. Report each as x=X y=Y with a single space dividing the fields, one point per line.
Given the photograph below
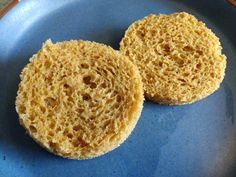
x=79 y=99
x=178 y=57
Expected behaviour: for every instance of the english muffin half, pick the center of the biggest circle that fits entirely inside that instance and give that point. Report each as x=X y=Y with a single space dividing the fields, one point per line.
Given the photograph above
x=179 y=58
x=79 y=99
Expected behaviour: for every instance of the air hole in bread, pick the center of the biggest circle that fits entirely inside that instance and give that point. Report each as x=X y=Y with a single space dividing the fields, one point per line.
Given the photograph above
x=75 y=143
x=22 y=109
x=47 y=64
x=199 y=66
x=118 y=98
x=153 y=32
x=181 y=80
x=103 y=85
x=33 y=103
x=50 y=133
x=69 y=135
x=82 y=143
x=199 y=52
x=194 y=78
x=53 y=145
x=76 y=127
x=32 y=129
x=179 y=60
x=52 y=125
x=43 y=109
x=49 y=101
x=66 y=86
x=160 y=64
x=84 y=66
x=92 y=117
x=93 y=85
x=116 y=105
x=166 y=48
x=188 y=48
x=87 y=80
x=186 y=74
x=80 y=110
x=58 y=129
x=86 y=97
x=140 y=33
x=32 y=118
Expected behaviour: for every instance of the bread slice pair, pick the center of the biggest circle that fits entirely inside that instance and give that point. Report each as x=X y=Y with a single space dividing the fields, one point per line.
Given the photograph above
x=80 y=99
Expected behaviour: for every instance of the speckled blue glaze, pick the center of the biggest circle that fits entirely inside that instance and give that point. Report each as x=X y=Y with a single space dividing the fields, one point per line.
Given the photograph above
x=197 y=140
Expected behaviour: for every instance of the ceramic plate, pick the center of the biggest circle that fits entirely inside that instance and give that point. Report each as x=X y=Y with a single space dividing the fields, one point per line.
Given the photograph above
x=197 y=140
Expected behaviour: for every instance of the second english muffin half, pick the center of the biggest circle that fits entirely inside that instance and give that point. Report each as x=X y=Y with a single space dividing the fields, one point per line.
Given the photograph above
x=79 y=99
x=179 y=58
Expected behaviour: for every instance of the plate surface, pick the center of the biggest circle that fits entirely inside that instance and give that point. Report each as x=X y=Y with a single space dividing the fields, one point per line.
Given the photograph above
x=197 y=140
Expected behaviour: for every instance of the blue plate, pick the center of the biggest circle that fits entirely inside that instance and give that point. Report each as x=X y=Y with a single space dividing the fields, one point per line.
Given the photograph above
x=197 y=140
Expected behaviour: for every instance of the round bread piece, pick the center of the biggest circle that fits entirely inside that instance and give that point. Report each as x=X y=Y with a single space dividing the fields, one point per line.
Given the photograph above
x=79 y=99
x=178 y=57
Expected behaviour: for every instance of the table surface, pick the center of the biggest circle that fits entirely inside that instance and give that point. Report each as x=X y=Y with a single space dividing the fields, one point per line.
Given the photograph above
x=3 y=3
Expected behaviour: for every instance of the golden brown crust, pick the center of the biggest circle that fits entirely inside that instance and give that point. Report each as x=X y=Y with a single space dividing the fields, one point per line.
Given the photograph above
x=178 y=57
x=79 y=99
